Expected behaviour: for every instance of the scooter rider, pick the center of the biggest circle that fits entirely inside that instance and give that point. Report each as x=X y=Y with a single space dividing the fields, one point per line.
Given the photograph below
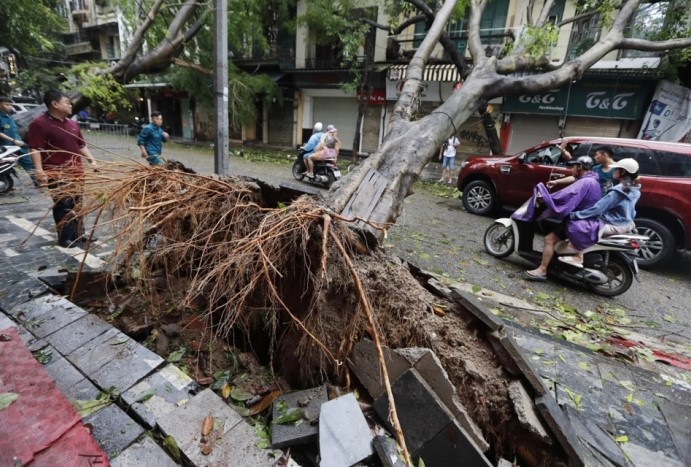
x=581 y=194
x=312 y=143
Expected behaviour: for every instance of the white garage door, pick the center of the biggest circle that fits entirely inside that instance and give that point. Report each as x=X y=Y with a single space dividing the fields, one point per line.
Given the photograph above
x=339 y=111
x=529 y=130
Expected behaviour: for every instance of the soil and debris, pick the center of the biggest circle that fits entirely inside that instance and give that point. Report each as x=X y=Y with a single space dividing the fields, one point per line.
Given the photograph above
x=253 y=294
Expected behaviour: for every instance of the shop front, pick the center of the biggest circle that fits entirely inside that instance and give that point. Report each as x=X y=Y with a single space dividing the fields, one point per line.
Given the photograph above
x=612 y=108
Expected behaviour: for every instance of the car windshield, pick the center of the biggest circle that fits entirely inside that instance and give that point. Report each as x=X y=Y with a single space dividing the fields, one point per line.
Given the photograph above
x=551 y=155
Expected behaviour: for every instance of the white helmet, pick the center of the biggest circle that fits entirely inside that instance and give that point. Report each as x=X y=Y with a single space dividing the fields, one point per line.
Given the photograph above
x=318 y=126
x=630 y=165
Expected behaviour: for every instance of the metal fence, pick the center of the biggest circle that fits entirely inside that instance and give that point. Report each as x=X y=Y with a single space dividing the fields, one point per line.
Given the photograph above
x=107 y=138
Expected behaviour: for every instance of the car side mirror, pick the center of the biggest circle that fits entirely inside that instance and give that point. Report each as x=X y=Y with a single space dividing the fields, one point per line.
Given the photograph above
x=521 y=158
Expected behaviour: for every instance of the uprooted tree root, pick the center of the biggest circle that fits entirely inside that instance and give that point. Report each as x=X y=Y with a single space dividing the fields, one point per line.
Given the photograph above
x=300 y=274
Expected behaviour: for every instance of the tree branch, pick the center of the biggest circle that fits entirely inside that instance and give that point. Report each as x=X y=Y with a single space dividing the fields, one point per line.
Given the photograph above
x=195 y=66
x=653 y=46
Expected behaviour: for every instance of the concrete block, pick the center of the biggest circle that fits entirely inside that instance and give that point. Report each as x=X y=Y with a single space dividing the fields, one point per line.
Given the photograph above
x=6 y=322
x=478 y=309
x=526 y=368
x=642 y=457
x=77 y=334
x=598 y=439
x=387 y=451
x=112 y=429
x=431 y=370
x=421 y=415
x=18 y=288
x=170 y=386
x=82 y=390
x=233 y=447
x=310 y=401
x=561 y=428
x=451 y=446
x=32 y=309
x=525 y=410
x=63 y=373
x=143 y=453
x=63 y=314
x=132 y=362
x=365 y=364
x=344 y=436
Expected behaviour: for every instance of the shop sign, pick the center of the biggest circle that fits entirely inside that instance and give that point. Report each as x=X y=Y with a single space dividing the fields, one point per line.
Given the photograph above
x=376 y=97
x=432 y=91
x=612 y=99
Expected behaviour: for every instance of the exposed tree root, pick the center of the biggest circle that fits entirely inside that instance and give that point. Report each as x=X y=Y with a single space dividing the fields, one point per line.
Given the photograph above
x=299 y=274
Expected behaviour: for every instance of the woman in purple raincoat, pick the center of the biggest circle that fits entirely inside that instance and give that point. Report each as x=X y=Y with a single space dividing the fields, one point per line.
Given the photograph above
x=581 y=194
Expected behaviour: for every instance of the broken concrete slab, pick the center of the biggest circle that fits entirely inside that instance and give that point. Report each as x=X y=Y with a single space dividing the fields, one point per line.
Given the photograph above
x=34 y=308
x=561 y=428
x=642 y=457
x=421 y=414
x=525 y=410
x=63 y=314
x=344 y=436
x=310 y=401
x=598 y=439
x=451 y=446
x=18 y=288
x=364 y=362
x=81 y=331
x=143 y=453
x=512 y=356
x=387 y=450
x=112 y=429
x=679 y=423
x=166 y=387
x=478 y=309
x=236 y=440
x=98 y=351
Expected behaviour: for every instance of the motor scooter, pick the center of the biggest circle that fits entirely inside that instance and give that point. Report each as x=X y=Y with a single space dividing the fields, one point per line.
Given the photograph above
x=609 y=266
x=325 y=172
x=7 y=163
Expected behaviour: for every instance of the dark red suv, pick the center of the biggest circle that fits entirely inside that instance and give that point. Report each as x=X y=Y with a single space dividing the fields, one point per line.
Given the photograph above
x=663 y=212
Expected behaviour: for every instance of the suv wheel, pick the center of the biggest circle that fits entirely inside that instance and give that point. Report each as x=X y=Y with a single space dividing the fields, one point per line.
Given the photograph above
x=659 y=248
x=479 y=198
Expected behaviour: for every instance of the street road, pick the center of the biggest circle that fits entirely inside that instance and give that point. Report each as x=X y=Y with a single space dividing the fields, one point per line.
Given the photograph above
x=436 y=234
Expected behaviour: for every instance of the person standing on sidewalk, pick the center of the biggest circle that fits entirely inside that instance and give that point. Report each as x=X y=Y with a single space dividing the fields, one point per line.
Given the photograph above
x=447 y=154
x=57 y=147
x=151 y=139
x=10 y=135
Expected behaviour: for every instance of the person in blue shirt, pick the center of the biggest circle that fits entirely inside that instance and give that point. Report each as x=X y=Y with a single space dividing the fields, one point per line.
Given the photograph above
x=314 y=140
x=612 y=215
x=10 y=136
x=151 y=139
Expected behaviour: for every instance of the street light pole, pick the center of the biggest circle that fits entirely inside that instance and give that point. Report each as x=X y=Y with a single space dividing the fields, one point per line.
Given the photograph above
x=221 y=148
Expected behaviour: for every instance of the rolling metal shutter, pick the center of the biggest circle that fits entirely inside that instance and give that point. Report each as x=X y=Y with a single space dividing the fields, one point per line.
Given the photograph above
x=529 y=130
x=339 y=111
x=583 y=126
x=281 y=123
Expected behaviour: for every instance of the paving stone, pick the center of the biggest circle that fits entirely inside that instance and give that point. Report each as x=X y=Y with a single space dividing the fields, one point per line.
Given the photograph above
x=478 y=309
x=78 y=333
x=527 y=369
x=36 y=307
x=98 y=351
x=132 y=362
x=54 y=277
x=364 y=362
x=561 y=428
x=344 y=436
x=639 y=456
x=143 y=453
x=451 y=446
x=421 y=415
x=112 y=429
x=170 y=386
x=431 y=370
x=678 y=418
x=387 y=450
x=83 y=390
x=234 y=447
x=598 y=439
x=525 y=409
x=63 y=373
x=63 y=314
x=306 y=432
x=18 y=288
x=6 y=322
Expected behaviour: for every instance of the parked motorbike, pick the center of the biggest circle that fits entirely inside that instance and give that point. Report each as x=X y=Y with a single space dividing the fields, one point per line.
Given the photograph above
x=325 y=172
x=135 y=127
x=609 y=266
x=7 y=163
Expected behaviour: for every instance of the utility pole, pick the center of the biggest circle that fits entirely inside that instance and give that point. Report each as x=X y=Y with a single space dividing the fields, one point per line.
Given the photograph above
x=222 y=146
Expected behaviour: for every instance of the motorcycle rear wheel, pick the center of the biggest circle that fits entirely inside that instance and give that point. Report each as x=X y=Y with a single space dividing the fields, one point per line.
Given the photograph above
x=6 y=182
x=499 y=240
x=620 y=278
x=298 y=171
x=331 y=178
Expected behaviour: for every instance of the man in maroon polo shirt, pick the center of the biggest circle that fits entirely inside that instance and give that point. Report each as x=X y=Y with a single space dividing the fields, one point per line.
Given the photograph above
x=57 y=148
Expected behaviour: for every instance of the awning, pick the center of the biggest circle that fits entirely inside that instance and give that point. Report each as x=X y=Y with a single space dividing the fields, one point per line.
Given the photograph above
x=438 y=72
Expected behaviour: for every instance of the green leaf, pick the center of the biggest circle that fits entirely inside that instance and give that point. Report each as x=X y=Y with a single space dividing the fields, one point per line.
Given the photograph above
x=629 y=397
x=7 y=398
x=120 y=341
x=669 y=318
x=628 y=385
x=86 y=407
x=145 y=395
x=475 y=289
x=289 y=416
x=177 y=355
x=172 y=445
x=621 y=439
x=240 y=395
x=583 y=366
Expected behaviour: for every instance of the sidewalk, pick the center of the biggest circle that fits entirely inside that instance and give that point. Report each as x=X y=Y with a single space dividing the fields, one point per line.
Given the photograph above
x=649 y=412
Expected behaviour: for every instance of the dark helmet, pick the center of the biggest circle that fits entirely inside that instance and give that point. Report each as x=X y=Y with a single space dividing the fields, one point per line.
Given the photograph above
x=584 y=161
